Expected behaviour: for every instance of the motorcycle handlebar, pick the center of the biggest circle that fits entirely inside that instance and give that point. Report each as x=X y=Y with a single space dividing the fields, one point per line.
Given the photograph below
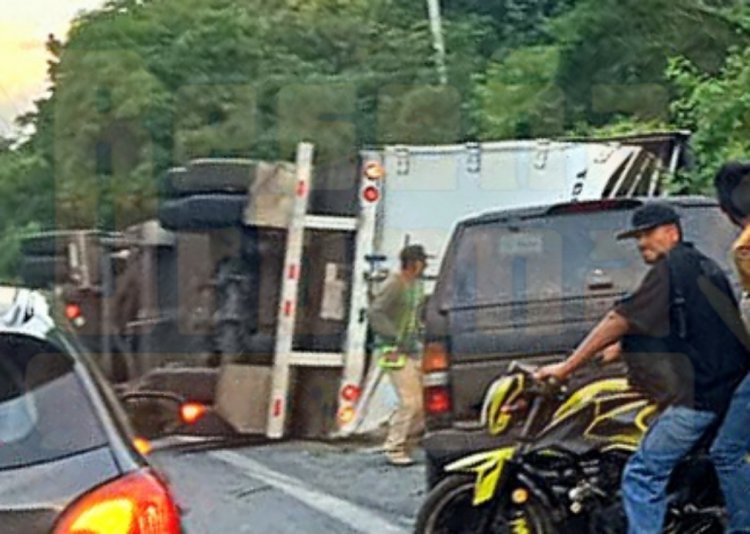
x=549 y=386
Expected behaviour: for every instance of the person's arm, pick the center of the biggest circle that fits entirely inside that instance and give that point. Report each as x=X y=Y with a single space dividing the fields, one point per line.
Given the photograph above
x=607 y=332
x=381 y=308
x=646 y=311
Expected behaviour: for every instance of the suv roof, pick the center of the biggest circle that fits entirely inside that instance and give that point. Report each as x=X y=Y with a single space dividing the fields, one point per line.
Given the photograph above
x=588 y=205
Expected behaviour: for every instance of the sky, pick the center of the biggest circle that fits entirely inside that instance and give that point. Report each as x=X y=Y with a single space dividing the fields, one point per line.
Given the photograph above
x=24 y=26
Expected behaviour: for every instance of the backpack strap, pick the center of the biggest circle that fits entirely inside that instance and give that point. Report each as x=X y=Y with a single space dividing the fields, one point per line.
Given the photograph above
x=678 y=302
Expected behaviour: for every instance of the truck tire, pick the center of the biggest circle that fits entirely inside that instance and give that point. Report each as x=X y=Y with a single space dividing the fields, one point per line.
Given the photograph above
x=202 y=212
x=43 y=271
x=206 y=176
x=236 y=318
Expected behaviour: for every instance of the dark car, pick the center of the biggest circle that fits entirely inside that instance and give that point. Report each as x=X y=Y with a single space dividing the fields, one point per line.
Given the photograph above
x=69 y=462
x=527 y=285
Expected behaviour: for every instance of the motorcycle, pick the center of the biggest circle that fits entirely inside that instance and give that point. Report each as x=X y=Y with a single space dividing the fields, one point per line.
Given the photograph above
x=562 y=473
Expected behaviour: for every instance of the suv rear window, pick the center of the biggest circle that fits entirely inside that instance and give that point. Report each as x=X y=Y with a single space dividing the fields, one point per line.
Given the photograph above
x=44 y=412
x=562 y=256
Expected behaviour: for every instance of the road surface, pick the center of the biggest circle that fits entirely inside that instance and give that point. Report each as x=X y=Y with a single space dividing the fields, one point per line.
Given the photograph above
x=294 y=487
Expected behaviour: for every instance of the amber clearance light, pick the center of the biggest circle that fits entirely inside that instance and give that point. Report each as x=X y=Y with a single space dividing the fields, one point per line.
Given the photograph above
x=374 y=170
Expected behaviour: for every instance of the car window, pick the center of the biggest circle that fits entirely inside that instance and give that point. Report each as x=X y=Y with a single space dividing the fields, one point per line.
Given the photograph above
x=44 y=411
x=566 y=256
x=712 y=233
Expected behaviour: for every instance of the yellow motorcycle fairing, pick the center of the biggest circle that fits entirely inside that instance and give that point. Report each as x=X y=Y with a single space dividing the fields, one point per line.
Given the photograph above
x=589 y=392
x=487 y=466
x=502 y=391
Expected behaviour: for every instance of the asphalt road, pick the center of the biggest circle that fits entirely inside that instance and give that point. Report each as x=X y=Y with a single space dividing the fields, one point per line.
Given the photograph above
x=292 y=488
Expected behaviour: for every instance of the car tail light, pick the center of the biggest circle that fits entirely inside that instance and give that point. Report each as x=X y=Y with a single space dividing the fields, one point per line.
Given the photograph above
x=435 y=357
x=437 y=399
x=192 y=412
x=138 y=503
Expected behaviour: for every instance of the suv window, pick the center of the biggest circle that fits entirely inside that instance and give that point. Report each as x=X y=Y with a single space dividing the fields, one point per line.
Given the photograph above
x=561 y=256
x=44 y=412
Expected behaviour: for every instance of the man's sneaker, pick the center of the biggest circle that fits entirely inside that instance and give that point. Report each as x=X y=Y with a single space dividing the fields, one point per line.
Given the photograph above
x=399 y=458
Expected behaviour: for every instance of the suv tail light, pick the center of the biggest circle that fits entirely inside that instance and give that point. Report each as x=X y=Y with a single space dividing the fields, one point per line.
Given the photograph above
x=437 y=400
x=138 y=503
x=435 y=358
x=437 y=394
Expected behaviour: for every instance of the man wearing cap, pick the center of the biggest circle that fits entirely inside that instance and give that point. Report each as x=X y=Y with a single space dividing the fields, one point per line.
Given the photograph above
x=680 y=333
x=394 y=319
x=732 y=444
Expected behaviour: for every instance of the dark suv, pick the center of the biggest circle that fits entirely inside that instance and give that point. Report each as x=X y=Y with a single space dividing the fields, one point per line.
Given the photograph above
x=528 y=284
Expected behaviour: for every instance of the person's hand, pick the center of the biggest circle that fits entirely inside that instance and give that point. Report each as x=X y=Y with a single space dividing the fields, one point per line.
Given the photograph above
x=555 y=370
x=611 y=353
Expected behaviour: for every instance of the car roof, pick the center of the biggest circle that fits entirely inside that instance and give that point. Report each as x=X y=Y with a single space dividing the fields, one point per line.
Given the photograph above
x=550 y=209
x=24 y=311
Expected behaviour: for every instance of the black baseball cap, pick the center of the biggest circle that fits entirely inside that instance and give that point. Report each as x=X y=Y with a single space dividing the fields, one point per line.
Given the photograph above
x=650 y=216
x=413 y=253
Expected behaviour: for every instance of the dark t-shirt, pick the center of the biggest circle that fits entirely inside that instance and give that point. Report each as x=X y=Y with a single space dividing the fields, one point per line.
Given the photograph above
x=692 y=354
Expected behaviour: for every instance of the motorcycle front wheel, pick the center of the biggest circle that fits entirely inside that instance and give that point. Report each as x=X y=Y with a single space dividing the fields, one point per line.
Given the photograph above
x=448 y=509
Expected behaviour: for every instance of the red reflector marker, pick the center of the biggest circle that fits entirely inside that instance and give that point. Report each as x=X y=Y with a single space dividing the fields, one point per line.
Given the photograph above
x=138 y=503
x=72 y=311
x=301 y=188
x=371 y=193
x=192 y=412
x=277 y=408
x=437 y=400
x=350 y=393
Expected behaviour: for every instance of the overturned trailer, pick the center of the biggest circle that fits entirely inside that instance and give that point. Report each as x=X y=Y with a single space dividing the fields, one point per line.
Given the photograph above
x=248 y=293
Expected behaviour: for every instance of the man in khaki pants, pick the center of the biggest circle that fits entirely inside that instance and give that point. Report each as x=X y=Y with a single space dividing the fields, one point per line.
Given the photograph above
x=394 y=319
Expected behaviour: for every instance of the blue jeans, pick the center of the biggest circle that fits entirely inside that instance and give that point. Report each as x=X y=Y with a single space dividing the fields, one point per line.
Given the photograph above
x=644 y=483
x=728 y=453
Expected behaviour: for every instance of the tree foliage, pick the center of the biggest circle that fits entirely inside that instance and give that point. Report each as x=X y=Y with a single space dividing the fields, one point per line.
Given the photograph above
x=141 y=85
x=717 y=110
x=607 y=59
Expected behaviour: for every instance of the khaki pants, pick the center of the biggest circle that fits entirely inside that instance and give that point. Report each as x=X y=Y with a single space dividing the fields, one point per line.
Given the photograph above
x=407 y=422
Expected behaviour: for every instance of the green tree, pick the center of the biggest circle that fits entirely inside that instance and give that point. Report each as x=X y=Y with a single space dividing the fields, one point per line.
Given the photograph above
x=140 y=86
x=717 y=110
x=627 y=44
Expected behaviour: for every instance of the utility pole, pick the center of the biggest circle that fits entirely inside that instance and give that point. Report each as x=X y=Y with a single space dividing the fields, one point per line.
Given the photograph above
x=433 y=8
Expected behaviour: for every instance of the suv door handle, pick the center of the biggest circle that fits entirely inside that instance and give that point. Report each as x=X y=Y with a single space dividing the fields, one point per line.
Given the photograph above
x=599 y=280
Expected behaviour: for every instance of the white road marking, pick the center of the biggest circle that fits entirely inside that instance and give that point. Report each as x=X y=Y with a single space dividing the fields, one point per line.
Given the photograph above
x=357 y=517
